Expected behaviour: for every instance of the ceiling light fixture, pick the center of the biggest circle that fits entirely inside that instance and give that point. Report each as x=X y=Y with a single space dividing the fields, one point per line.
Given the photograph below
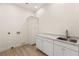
x=36 y=7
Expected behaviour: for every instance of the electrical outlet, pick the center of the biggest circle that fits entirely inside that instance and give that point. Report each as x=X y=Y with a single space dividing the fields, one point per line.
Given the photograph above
x=12 y=47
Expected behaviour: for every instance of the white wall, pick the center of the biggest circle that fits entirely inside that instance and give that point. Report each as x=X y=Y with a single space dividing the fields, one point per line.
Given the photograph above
x=12 y=19
x=56 y=18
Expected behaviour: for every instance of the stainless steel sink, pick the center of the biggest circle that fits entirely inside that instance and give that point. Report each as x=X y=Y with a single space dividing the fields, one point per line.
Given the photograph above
x=72 y=40
x=67 y=39
x=61 y=38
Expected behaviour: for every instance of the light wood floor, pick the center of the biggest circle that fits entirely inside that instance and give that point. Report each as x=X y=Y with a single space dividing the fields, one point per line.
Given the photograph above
x=26 y=50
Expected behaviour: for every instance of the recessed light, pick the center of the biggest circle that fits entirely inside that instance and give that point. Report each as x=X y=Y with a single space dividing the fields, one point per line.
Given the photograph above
x=36 y=7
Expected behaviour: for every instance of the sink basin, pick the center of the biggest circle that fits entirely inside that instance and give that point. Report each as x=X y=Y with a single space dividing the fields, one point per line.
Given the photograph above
x=61 y=38
x=69 y=39
x=73 y=40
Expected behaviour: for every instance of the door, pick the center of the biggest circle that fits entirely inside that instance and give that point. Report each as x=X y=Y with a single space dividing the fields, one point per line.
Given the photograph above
x=58 y=50
x=32 y=28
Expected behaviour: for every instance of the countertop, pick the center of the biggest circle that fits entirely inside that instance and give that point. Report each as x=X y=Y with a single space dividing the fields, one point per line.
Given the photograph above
x=54 y=37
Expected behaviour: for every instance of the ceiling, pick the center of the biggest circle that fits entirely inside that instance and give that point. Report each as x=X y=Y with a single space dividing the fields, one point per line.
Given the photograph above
x=31 y=6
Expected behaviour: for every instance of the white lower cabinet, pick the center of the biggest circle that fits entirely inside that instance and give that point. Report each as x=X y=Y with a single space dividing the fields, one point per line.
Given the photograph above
x=48 y=47
x=56 y=48
x=39 y=43
x=69 y=52
x=45 y=45
x=61 y=49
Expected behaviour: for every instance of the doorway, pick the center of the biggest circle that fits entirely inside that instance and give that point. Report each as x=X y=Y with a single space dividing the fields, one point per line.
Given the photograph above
x=32 y=29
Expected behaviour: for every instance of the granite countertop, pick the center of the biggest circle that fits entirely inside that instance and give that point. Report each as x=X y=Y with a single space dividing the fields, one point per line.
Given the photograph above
x=54 y=37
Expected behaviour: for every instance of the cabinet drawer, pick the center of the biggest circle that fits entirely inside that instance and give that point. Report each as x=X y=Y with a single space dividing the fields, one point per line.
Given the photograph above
x=49 y=40
x=45 y=39
x=66 y=45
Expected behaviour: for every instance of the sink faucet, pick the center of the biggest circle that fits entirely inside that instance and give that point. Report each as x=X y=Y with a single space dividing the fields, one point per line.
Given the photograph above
x=67 y=34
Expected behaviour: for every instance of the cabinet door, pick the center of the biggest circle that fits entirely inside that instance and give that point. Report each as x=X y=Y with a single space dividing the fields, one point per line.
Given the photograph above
x=39 y=43
x=69 y=52
x=58 y=50
x=48 y=47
